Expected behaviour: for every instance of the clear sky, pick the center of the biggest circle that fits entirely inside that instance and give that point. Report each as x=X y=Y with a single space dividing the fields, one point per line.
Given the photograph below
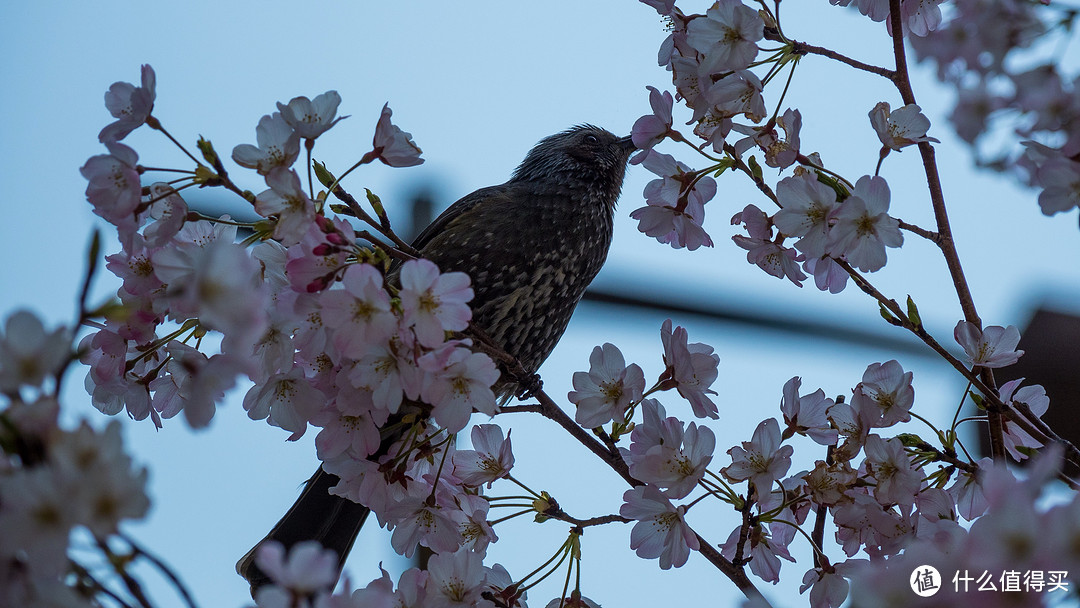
x=477 y=83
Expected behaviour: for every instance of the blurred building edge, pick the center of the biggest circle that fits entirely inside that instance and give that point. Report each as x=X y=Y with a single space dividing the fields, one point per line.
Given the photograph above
x=1051 y=345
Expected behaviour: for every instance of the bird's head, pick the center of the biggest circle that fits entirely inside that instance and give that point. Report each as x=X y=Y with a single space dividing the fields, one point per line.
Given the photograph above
x=584 y=157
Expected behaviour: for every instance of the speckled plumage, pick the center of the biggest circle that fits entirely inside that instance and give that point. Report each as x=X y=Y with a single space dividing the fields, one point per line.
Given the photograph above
x=531 y=246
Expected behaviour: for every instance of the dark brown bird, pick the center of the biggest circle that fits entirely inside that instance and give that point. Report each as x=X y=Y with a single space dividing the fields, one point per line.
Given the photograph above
x=531 y=246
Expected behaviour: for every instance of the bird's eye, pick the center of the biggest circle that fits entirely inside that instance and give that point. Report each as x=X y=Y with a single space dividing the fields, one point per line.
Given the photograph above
x=591 y=139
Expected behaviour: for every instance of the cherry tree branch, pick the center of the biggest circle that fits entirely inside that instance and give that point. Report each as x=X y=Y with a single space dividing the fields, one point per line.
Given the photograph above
x=945 y=240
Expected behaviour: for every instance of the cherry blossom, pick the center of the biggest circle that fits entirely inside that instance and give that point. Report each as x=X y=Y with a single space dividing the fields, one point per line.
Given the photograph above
x=417 y=522
x=737 y=93
x=305 y=568
x=675 y=204
x=28 y=352
x=491 y=459
x=762 y=460
x=286 y=400
x=808 y=208
x=727 y=36
x=1017 y=441
x=806 y=415
x=348 y=428
x=765 y=550
x=897 y=480
x=779 y=153
x=359 y=313
x=279 y=146
x=130 y=106
x=761 y=250
x=863 y=227
x=692 y=368
x=287 y=201
x=903 y=127
x=660 y=531
x=991 y=347
x=828 y=275
x=607 y=389
x=828 y=589
x=885 y=395
x=1060 y=179
x=218 y=283
x=311 y=118
x=678 y=461
x=393 y=146
x=115 y=190
x=459 y=384
x=456 y=579
x=434 y=303
x=651 y=129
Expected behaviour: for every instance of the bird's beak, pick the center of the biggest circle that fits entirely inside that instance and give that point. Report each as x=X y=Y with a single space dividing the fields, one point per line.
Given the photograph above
x=627 y=144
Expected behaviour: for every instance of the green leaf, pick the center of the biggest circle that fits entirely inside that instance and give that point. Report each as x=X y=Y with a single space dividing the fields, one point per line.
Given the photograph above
x=323 y=174
x=208 y=151
x=913 y=313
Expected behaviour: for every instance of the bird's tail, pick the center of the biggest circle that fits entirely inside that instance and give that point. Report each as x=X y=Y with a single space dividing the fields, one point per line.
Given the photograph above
x=316 y=515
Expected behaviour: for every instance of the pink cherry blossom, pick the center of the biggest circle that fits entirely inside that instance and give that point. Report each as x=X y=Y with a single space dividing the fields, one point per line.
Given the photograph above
x=897 y=480
x=675 y=204
x=727 y=36
x=305 y=568
x=903 y=127
x=29 y=353
x=457 y=385
x=393 y=146
x=491 y=458
x=360 y=313
x=737 y=93
x=434 y=303
x=1017 y=441
x=808 y=209
x=692 y=368
x=279 y=146
x=288 y=203
x=991 y=347
x=651 y=129
x=828 y=275
x=863 y=227
x=115 y=189
x=456 y=579
x=169 y=212
x=311 y=118
x=218 y=283
x=661 y=530
x=288 y=401
x=762 y=460
x=678 y=462
x=607 y=389
x=417 y=522
x=764 y=550
x=885 y=395
x=130 y=106
x=806 y=415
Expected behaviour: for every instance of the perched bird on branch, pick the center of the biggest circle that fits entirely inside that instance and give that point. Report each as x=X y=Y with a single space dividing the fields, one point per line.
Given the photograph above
x=530 y=246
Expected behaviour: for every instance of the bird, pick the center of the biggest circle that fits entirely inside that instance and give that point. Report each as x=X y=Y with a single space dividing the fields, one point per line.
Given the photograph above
x=530 y=246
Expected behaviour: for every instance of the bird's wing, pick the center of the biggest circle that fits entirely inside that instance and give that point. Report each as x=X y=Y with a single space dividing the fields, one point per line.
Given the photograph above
x=454 y=212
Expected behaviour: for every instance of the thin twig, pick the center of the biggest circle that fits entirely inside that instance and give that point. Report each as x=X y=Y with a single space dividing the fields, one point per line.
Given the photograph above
x=802 y=48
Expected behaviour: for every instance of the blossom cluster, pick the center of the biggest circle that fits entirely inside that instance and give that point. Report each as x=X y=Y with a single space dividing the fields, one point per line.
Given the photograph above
x=711 y=57
x=331 y=332
x=995 y=54
x=54 y=481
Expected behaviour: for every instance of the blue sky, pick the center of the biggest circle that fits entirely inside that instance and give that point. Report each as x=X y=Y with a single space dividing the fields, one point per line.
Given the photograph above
x=477 y=83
